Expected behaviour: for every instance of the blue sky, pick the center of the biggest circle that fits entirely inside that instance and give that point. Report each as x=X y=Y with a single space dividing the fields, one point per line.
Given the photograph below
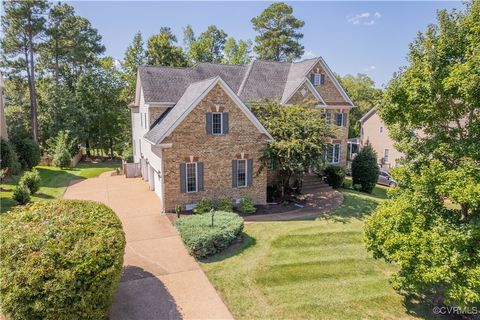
x=353 y=37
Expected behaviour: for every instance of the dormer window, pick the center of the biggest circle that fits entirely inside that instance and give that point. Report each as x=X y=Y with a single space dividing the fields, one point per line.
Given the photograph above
x=318 y=79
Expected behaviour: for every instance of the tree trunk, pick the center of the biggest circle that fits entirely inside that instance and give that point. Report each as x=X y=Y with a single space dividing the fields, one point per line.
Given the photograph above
x=110 y=140
x=33 y=92
x=87 y=146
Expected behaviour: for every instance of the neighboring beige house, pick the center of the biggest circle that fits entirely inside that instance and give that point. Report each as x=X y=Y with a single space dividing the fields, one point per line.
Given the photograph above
x=194 y=135
x=374 y=132
x=3 y=122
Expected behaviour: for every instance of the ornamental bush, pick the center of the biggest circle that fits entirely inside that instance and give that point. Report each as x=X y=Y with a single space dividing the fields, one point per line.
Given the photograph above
x=28 y=152
x=224 y=204
x=365 y=169
x=246 y=206
x=205 y=205
x=335 y=176
x=203 y=240
x=59 y=259
x=21 y=194
x=31 y=179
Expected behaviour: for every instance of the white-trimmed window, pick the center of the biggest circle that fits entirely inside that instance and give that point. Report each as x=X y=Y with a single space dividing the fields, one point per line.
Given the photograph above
x=332 y=154
x=242 y=173
x=327 y=116
x=217 y=123
x=386 y=153
x=191 y=177
x=317 y=79
x=339 y=119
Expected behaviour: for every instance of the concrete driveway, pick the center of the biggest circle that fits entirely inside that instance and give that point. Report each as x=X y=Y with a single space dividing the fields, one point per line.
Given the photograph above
x=160 y=279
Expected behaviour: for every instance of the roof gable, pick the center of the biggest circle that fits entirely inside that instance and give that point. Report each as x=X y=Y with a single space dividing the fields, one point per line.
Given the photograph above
x=191 y=97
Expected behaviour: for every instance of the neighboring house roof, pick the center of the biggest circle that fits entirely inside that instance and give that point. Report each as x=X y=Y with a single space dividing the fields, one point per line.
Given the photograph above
x=194 y=93
x=256 y=81
x=367 y=115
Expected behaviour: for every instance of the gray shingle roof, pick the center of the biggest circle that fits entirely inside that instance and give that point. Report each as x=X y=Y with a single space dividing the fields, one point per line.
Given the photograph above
x=258 y=80
x=158 y=132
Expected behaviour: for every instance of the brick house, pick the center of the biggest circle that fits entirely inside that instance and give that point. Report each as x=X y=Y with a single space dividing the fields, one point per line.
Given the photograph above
x=195 y=136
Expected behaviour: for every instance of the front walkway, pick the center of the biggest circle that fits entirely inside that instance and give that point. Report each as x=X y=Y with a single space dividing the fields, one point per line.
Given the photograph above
x=161 y=280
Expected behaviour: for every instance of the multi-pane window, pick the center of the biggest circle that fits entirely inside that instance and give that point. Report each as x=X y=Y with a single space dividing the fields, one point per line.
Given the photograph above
x=333 y=153
x=339 y=119
x=317 y=79
x=191 y=177
x=327 y=116
x=241 y=173
x=385 y=155
x=217 y=123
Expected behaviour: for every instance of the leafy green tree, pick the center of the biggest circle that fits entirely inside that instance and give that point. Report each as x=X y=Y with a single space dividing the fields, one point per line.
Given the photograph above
x=106 y=116
x=431 y=107
x=361 y=89
x=431 y=226
x=209 y=45
x=61 y=56
x=299 y=136
x=23 y=23
x=365 y=169
x=278 y=38
x=161 y=50
x=423 y=230
x=134 y=57
x=237 y=52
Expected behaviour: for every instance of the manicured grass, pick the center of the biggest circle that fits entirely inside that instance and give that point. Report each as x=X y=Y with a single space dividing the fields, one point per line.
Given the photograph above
x=310 y=269
x=54 y=181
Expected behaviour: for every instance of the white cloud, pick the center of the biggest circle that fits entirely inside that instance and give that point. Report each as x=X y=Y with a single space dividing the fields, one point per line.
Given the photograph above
x=364 y=18
x=370 y=68
x=309 y=55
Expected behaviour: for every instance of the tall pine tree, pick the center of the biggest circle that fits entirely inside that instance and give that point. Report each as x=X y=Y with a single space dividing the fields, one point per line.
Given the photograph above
x=134 y=56
x=278 y=34
x=23 y=23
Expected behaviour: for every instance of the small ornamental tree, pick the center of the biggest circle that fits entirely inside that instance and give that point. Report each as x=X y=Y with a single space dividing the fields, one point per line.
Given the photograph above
x=61 y=148
x=365 y=169
x=32 y=180
x=299 y=136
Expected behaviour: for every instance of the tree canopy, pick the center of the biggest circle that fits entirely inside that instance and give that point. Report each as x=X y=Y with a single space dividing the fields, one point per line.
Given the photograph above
x=299 y=137
x=431 y=225
x=162 y=51
x=278 y=38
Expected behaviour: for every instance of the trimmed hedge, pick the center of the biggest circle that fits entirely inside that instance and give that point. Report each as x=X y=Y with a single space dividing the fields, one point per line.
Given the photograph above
x=60 y=259
x=203 y=240
x=335 y=176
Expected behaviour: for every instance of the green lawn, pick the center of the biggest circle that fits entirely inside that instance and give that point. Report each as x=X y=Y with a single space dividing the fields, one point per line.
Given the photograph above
x=54 y=181
x=310 y=270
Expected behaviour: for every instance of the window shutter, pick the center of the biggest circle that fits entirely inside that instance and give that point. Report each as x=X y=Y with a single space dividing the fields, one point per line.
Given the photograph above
x=344 y=119
x=225 y=122
x=322 y=79
x=209 y=122
x=312 y=78
x=249 y=172
x=339 y=150
x=234 y=173
x=328 y=117
x=200 y=176
x=183 y=177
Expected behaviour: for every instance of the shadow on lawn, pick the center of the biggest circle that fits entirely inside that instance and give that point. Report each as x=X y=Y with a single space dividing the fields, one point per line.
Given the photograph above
x=141 y=295
x=424 y=310
x=235 y=249
x=356 y=205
